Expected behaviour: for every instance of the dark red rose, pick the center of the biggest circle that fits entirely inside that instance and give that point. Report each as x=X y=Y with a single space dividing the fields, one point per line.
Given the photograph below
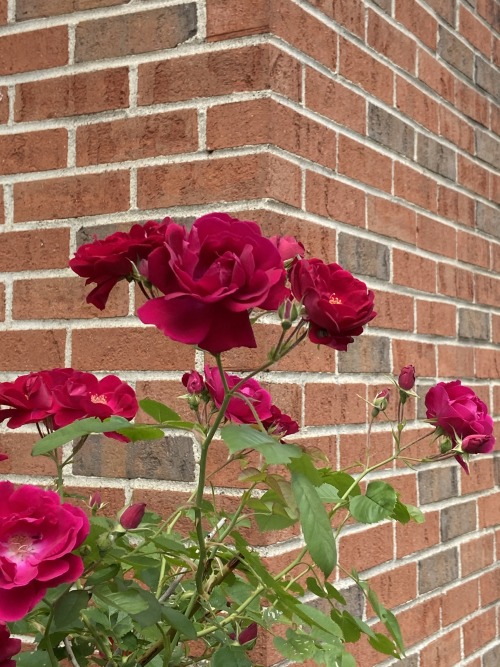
x=132 y=516
x=336 y=304
x=238 y=409
x=246 y=635
x=279 y=423
x=3 y=457
x=211 y=278
x=8 y=647
x=106 y=262
x=193 y=382
x=407 y=377
x=460 y=413
x=28 y=398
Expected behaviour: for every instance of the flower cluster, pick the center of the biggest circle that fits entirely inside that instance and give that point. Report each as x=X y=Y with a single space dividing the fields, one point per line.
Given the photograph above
x=60 y=396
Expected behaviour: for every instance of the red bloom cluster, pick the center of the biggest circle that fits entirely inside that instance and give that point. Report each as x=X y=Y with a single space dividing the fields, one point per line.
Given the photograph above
x=108 y=261
x=37 y=535
x=62 y=395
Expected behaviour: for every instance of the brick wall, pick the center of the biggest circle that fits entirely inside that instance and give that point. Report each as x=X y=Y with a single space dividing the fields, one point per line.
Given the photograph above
x=369 y=128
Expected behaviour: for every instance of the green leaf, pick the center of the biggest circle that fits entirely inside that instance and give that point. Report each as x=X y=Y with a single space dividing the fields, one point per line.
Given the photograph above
x=102 y=575
x=400 y=513
x=129 y=601
x=416 y=514
x=315 y=524
x=152 y=614
x=306 y=467
x=75 y=431
x=158 y=411
x=230 y=656
x=67 y=609
x=342 y=482
x=242 y=436
x=136 y=432
x=328 y=493
x=35 y=659
x=180 y=622
x=376 y=505
x=384 y=645
x=273 y=521
x=320 y=620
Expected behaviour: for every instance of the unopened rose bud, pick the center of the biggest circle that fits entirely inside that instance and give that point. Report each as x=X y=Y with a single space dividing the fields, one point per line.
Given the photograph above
x=193 y=382
x=445 y=445
x=288 y=313
x=381 y=401
x=478 y=444
x=246 y=635
x=407 y=378
x=3 y=457
x=95 y=500
x=132 y=516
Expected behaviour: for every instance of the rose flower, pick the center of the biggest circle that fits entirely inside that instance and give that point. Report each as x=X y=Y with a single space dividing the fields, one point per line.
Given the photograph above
x=238 y=409
x=211 y=278
x=336 y=304
x=37 y=535
x=8 y=647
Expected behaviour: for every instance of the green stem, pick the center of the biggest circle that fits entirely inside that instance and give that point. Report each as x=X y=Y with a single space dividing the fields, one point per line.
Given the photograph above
x=48 y=645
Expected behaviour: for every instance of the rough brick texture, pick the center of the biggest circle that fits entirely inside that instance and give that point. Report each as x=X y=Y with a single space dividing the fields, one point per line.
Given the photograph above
x=367 y=128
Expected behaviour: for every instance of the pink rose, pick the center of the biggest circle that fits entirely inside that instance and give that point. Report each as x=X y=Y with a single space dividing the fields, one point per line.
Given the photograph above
x=108 y=261
x=37 y=535
x=406 y=378
x=238 y=409
x=211 y=278
x=8 y=647
x=132 y=516
x=288 y=247
x=336 y=304
x=193 y=382
x=459 y=413
x=478 y=444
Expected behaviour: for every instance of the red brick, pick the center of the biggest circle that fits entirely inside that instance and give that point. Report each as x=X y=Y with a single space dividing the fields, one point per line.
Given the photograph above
x=476 y=554
x=457 y=130
x=230 y=71
x=72 y=95
x=479 y=630
x=349 y=14
x=391 y=42
x=415 y=187
x=34 y=250
x=487 y=289
x=496 y=329
x=473 y=176
x=460 y=601
x=475 y=32
x=332 y=99
x=31 y=350
x=335 y=200
x=391 y=219
x=395 y=587
x=112 y=499
x=489 y=510
x=420 y=621
x=139 y=32
x=415 y=104
x=33 y=151
x=414 y=271
x=71 y=196
x=128 y=349
x=264 y=121
x=418 y=21
x=433 y=74
x=444 y=651
x=362 y=69
x=225 y=179
x=455 y=361
x=243 y=19
x=2 y=302
x=489 y=11
x=394 y=311
x=328 y=404
x=34 y=50
x=436 y=318
x=2 y=211
x=455 y=282
x=62 y=298
x=487 y=363
x=354 y=450
x=168 y=392
x=366 y=548
x=3 y=12
x=413 y=537
x=32 y=9
x=471 y=103
x=473 y=249
x=456 y=206
x=136 y=138
x=489 y=585
x=420 y=355
x=4 y=104
x=18 y=447
x=364 y=164
x=436 y=237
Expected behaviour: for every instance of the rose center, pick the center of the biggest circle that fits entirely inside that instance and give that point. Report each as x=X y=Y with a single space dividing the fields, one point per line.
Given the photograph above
x=96 y=398
x=21 y=546
x=334 y=299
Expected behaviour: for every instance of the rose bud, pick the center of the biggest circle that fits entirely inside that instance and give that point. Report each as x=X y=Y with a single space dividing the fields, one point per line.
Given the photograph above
x=478 y=444
x=246 y=635
x=193 y=382
x=3 y=457
x=381 y=401
x=95 y=500
x=407 y=378
x=132 y=516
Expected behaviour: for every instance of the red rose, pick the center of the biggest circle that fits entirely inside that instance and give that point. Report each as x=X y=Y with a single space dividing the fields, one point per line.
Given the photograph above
x=28 y=398
x=280 y=424
x=406 y=378
x=288 y=247
x=211 y=278
x=8 y=647
x=193 y=382
x=132 y=516
x=336 y=304
x=478 y=444
x=37 y=535
x=238 y=409
x=459 y=413
x=108 y=261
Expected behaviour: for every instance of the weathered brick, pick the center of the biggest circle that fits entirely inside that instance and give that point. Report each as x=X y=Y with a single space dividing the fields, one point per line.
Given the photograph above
x=455 y=52
x=473 y=324
x=73 y=95
x=71 y=196
x=415 y=187
x=224 y=72
x=364 y=257
x=3 y=12
x=364 y=164
x=136 y=138
x=487 y=363
x=436 y=318
x=457 y=520
x=421 y=355
x=2 y=207
x=456 y=206
x=334 y=404
x=418 y=21
x=394 y=311
x=445 y=9
x=469 y=101
x=332 y=99
x=435 y=237
x=487 y=289
x=437 y=570
x=435 y=75
x=140 y=32
x=32 y=350
x=436 y=156
x=4 y=104
x=488 y=9
x=32 y=9
x=479 y=631
x=456 y=129
x=386 y=5
x=413 y=538
x=368 y=354
x=34 y=250
x=391 y=219
x=349 y=14
x=487 y=77
x=366 y=548
x=473 y=249
x=390 y=131
x=391 y=42
x=362 y=69
x=487 y=148
x=435 y=484
x=224 y=179
x=460 y=601
x=17 y=52
x=417 y=105
x=476 y=554
x=481 y=474
x=396 y=586
x=2 y=302
x=444 y=651
x=420 y=620
x=33 y=151
x=455 y=361
x=243 y=19
x=455 y=282
x=473 y=176
x=335 y=200
x=414 y=271
x=475 y=31
x=492 y=657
